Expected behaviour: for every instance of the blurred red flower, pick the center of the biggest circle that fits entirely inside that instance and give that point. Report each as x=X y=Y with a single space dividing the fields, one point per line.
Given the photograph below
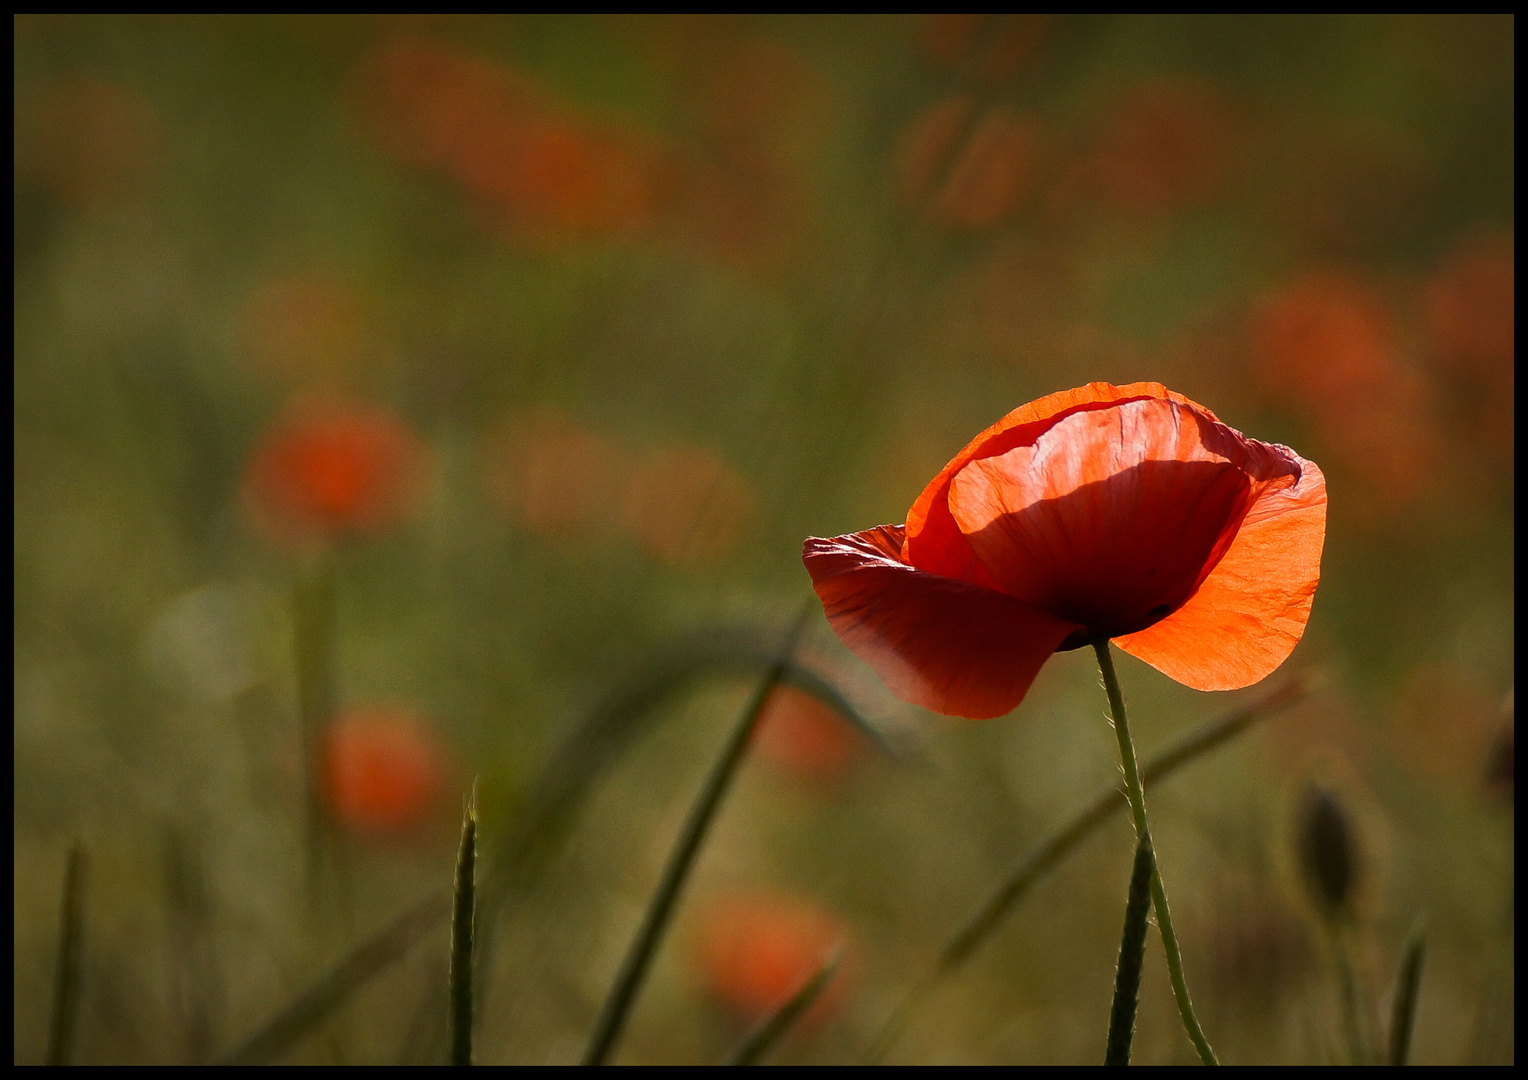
x=381 y=770
x=332 y=470
x=1168 y=147
x=759 y=115
x=306 y=331
x=554 y=475
x=804 y=736
x=1472 y=309
x=1329 y=342
x=686 y=505
x=965 y=173
x=1102 y=512
x=95 y=142
x=1328 y=337
x=547 y=170
x=991 y=47
x=755 y=949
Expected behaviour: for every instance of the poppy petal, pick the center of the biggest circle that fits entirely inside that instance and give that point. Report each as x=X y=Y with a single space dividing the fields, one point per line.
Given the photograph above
x=947 y=645
x=1251 y=610
x=934 y=541
x=1111 y=518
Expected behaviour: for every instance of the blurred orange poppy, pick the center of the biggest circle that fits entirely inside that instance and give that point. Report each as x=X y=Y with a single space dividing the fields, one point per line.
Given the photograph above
x=686 y=506
x=991 y=47
x=979 y=182
x=381 y=770
x=1168 y=147
x=306 y=331
x=1328 y=338
x=1471 y=305
x=554 y=475
x=804 y=736
x=1103 y=512
x=755 y=949
x=550 y=172
x=334 y=470
x=95 y=143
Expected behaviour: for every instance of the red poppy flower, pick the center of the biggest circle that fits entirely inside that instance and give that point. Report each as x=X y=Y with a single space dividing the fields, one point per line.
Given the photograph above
x=334 y=470
x=1103 y=512
x=755 y=949
x=381 y=770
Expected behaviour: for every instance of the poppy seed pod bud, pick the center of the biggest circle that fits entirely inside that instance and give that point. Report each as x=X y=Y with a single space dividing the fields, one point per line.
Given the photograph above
x=1328 y=852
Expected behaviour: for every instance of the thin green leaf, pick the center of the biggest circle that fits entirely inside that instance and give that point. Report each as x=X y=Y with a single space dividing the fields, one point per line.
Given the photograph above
x=198 y=983
x=66 y=976
x=634 y=968
x=1355 y=1031
x=564 y=785
x=463 y=910
x=356 y=969
x=1408 y=982
x=598 y=742
x=769 y=1032
x=1132 y=955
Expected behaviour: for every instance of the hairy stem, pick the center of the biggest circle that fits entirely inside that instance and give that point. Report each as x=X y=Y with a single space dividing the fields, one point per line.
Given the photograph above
x=1137 y=796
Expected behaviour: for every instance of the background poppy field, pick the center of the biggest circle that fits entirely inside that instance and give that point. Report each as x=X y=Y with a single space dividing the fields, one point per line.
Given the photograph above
x=479 y=378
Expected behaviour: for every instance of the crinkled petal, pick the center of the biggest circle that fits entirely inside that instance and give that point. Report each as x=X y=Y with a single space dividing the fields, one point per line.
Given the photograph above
x=947 y=645
x=934 y=541
x=1251 y=610
x=1111 y=518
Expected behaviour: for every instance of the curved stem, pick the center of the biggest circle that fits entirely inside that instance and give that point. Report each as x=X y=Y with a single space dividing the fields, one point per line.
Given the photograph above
x=1137 y=796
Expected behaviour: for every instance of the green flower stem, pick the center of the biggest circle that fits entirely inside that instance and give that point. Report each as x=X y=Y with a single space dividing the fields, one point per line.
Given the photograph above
x=1137 y=796
x=979 y=928
x=1132 y=953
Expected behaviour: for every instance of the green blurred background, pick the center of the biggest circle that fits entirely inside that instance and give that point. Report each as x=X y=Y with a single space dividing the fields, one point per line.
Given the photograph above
x=657 y=298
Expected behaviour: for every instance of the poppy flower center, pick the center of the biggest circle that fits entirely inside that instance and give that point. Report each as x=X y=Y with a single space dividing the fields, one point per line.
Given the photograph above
x=1110 y=519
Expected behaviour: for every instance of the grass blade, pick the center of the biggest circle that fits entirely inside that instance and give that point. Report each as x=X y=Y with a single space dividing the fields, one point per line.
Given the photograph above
x=1408 y=982
x=564 y=785
x=463 y=910
x=611 y=728
x=359 y=966
x=197 y=996
x=980 y=926
x=763 y=1038
x=1132 y=955
x=660 y=910
x=66 y=976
